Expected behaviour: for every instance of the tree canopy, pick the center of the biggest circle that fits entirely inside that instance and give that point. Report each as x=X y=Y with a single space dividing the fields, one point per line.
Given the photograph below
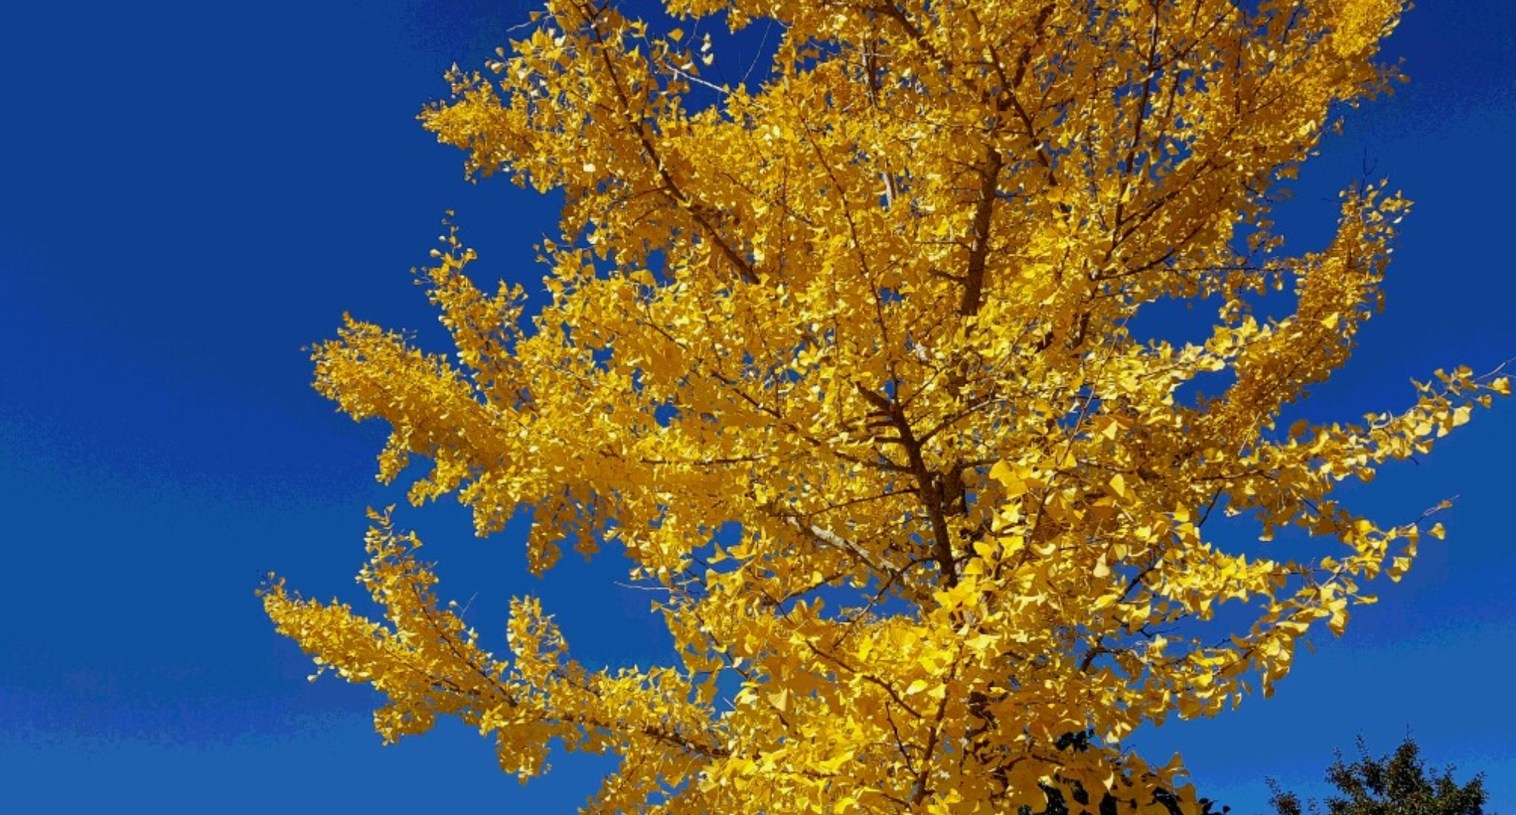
x=1394 y=784
x=854 y=364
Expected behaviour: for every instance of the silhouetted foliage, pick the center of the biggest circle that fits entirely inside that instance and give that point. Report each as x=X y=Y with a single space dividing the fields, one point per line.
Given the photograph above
x=1109 y=804
x=1394 y=784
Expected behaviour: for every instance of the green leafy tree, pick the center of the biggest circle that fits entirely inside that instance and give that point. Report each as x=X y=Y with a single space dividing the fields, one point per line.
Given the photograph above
x=1394 y=784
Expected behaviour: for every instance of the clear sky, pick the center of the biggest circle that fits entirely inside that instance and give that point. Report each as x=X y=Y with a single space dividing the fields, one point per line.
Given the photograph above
x=191 y=192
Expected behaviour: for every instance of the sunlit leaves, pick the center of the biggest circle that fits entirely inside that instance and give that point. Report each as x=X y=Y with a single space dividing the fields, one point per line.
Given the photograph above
x=844 y=363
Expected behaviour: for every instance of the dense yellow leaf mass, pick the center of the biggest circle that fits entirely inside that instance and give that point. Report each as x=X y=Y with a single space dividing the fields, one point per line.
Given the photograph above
x=876 y=314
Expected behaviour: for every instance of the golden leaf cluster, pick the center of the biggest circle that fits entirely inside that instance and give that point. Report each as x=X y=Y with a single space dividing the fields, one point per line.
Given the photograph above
x=848 y=364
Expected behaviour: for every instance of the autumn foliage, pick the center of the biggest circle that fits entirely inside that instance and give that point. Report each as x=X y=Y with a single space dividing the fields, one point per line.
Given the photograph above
x=849 y=364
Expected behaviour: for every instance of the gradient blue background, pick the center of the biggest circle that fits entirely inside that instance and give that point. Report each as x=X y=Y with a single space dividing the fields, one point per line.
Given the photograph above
x=191 y=192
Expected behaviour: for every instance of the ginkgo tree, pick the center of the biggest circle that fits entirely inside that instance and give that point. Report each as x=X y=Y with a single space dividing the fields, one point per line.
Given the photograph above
x=847 y=363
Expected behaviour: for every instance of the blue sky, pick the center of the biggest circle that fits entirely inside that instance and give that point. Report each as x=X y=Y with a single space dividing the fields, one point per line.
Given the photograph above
x=192 y=192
